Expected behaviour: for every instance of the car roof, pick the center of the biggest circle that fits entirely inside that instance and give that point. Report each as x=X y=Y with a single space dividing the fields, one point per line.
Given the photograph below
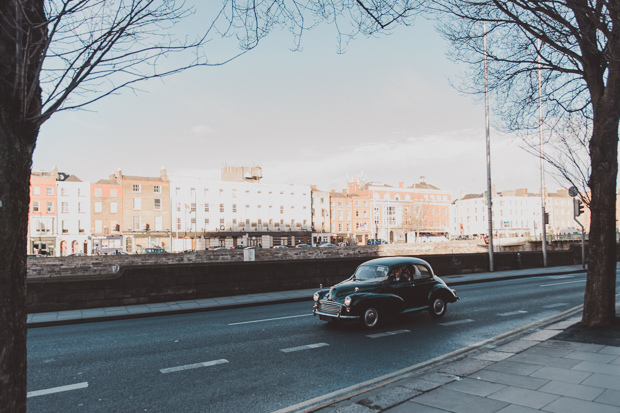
x=390 y=261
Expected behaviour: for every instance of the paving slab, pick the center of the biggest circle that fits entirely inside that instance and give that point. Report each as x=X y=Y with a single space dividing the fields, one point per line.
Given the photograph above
x=542 y=335
x=572 y=390
x=513 y=408
x=551 y=351
x=559 y=374
x=516 y=346
x=609 y=397
x=543 y=360
x=589 y=366
x=610 y=350
x=493 y=355
x=571 y=405
x=525 y=382
x=386 y=397
x=524 y=397
x=514 y=367
x=587 y=356
x=411 y=407
x=604 y=381
x=472 y=386
x=427 y=382
x=464 y=367
x=457 y=402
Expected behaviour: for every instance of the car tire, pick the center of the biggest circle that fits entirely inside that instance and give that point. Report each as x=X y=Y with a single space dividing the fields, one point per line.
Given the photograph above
x=370 y=318
x=438 y=307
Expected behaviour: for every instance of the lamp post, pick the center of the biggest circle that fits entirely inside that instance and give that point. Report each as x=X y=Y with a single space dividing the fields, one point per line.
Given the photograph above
x=542 y=162
x=488 y=142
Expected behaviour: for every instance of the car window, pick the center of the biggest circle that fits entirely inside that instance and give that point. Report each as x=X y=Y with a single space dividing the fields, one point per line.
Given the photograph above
x=422 y=273
x=369 y=272
x=399 y=274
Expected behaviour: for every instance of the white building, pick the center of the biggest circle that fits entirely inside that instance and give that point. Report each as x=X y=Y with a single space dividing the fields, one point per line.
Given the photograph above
x=237 y=210
x=516 y=213
x=73 y=201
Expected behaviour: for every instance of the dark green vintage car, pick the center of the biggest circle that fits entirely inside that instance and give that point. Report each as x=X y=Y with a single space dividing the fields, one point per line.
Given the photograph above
x=385 y=287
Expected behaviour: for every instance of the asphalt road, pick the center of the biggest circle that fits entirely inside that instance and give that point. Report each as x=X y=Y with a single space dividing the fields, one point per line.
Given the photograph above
x=261 y=359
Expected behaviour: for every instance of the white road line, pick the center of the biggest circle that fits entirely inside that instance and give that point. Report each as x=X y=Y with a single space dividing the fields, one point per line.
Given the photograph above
x=194 y=366
x=512 y=313
x=269 y=319
x=559 y=277
x=567 y=282
x=452 y=323
x=389 y=333
x=309 y=346
x=57 y=389
x=554 y=305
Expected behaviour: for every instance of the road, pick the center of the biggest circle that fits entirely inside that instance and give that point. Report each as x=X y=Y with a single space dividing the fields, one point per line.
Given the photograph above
x=261 y=359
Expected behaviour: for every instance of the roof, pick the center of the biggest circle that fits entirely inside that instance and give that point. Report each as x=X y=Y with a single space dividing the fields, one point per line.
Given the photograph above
x=472 y=196
x=73 y=178
x=107 y=182
x=144 y=178
x=389 y=261
x=423 y=185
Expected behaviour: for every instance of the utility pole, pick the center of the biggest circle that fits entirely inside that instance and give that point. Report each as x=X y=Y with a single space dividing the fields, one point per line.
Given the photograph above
x=488 y=140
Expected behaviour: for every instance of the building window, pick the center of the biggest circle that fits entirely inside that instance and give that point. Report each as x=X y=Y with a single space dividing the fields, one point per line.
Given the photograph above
x=339 y=227
x=339 y=204
x=157 y=189
x=64 y=192
x=192 y=192
x=50 y=190
x=136 y=222
x=98 y=207
x=35 y=206
x=206 y=207
x=50 y=206
x=282 y=209
x=221 y=207
x=234 y=208
x=65 y=228
x=234 y=193
x=36 y=190
x=65 y=207
x=113 y=207
x=206 y=191
x=98 y=193
x=357 y=214
x=221 y=193
x=157 y=204
x=136 y=188
x=193 y=206
x=80 y=227
x=113 y=193
x=206 y=222
x=80 y=209
x=357 y=203
x=137 y=203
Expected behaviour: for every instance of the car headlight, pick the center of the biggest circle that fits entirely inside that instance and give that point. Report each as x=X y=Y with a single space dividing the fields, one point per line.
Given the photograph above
x=347 y=301
x=316 y=296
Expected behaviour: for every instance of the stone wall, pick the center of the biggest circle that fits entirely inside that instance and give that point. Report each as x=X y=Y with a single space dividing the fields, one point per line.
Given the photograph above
x=91 y=282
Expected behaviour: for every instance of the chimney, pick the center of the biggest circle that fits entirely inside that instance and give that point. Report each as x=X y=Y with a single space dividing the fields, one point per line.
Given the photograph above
x=333 y=190
x=422 y=178
x=401 y=184
x=119 y=176
x=163 y=174
x=112 y=176
x=344 y=191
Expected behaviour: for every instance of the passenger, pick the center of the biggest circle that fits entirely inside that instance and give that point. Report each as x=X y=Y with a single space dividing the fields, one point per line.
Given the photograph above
x=407 y=273
x=398 y=272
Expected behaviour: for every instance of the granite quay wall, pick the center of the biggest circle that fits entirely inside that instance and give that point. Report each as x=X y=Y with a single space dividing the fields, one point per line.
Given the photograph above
x=90 y=282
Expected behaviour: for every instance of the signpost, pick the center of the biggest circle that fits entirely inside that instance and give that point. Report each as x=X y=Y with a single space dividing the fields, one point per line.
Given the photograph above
x=578 y=210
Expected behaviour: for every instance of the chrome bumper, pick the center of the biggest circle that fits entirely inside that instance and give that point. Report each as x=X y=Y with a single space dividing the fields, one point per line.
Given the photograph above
x=337 y=316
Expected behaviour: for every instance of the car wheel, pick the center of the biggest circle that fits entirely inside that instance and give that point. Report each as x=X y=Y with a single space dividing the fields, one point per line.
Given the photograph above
x=438 y=307
x=370 y=317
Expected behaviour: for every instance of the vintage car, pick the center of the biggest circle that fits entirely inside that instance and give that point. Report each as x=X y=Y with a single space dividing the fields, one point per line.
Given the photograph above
x=384 y=287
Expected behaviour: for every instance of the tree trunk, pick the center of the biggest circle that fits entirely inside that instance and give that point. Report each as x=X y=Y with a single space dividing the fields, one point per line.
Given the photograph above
x=600 y=295
x=22 y=39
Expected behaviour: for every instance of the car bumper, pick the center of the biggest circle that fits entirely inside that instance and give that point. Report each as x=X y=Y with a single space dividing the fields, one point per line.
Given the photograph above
x=335 y=316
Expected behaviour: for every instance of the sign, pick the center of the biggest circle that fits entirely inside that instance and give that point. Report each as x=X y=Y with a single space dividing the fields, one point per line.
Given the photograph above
x=506 y=224
x=572 y=191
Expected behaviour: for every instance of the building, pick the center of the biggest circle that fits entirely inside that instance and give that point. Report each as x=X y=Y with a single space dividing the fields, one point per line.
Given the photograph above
x=42 y=219
x=419 y=212
x=73 y=200
x=516 y=213
x=107 y=216
x=239 y=209
x=145 y=211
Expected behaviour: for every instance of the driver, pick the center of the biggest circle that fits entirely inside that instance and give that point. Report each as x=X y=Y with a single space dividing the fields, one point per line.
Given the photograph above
x=398 y=272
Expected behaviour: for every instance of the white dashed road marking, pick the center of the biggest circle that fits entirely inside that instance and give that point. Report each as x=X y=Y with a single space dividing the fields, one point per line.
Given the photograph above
x=567 y=282
x=309 y=346
x=58 y=389
x=389 y=333
x=194 y=366
x=269 y=319
x=512 y=313
x=554 y=305
x=452 y=323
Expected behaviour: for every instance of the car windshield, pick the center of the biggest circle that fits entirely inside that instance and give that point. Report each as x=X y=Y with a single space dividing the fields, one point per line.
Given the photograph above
x=369 y=272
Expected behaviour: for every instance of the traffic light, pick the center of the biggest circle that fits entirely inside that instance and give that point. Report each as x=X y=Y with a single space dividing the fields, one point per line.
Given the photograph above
x=577 y=207
x=546 y=218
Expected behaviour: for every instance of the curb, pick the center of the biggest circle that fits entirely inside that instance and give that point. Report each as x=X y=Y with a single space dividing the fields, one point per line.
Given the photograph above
x=510 y=277
x=329 y=399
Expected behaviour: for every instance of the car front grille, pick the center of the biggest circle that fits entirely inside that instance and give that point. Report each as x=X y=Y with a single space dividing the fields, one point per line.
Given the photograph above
x=329 y=307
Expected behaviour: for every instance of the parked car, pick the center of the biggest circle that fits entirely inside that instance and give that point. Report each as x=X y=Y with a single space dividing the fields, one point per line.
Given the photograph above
x=77 y=254
x=155 y=251
x=326 y=245
x=238 y=247
x=375 y=242
x=253 y=247
x=303 y=246
x=217 y=247
x=189 y=252
x=385 y=287
x=280 y=246
x=35 y=256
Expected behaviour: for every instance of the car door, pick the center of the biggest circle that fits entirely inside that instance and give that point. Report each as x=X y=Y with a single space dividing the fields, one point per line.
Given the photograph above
x=403 y=287
x=424 y=283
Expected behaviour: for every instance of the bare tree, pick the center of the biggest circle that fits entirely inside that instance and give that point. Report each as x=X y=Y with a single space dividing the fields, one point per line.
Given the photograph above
x=415 y=215
x=580 y=66
x=61 y=55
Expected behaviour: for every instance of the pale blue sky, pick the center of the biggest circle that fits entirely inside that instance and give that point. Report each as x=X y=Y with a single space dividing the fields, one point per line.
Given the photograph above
x=384 y=108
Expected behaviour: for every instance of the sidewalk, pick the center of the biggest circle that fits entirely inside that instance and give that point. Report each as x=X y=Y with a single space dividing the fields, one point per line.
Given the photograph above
x=555 y=368
x=208 y=304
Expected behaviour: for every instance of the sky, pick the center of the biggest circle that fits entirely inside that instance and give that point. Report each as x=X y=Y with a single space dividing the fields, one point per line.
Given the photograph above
x=385 y=110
